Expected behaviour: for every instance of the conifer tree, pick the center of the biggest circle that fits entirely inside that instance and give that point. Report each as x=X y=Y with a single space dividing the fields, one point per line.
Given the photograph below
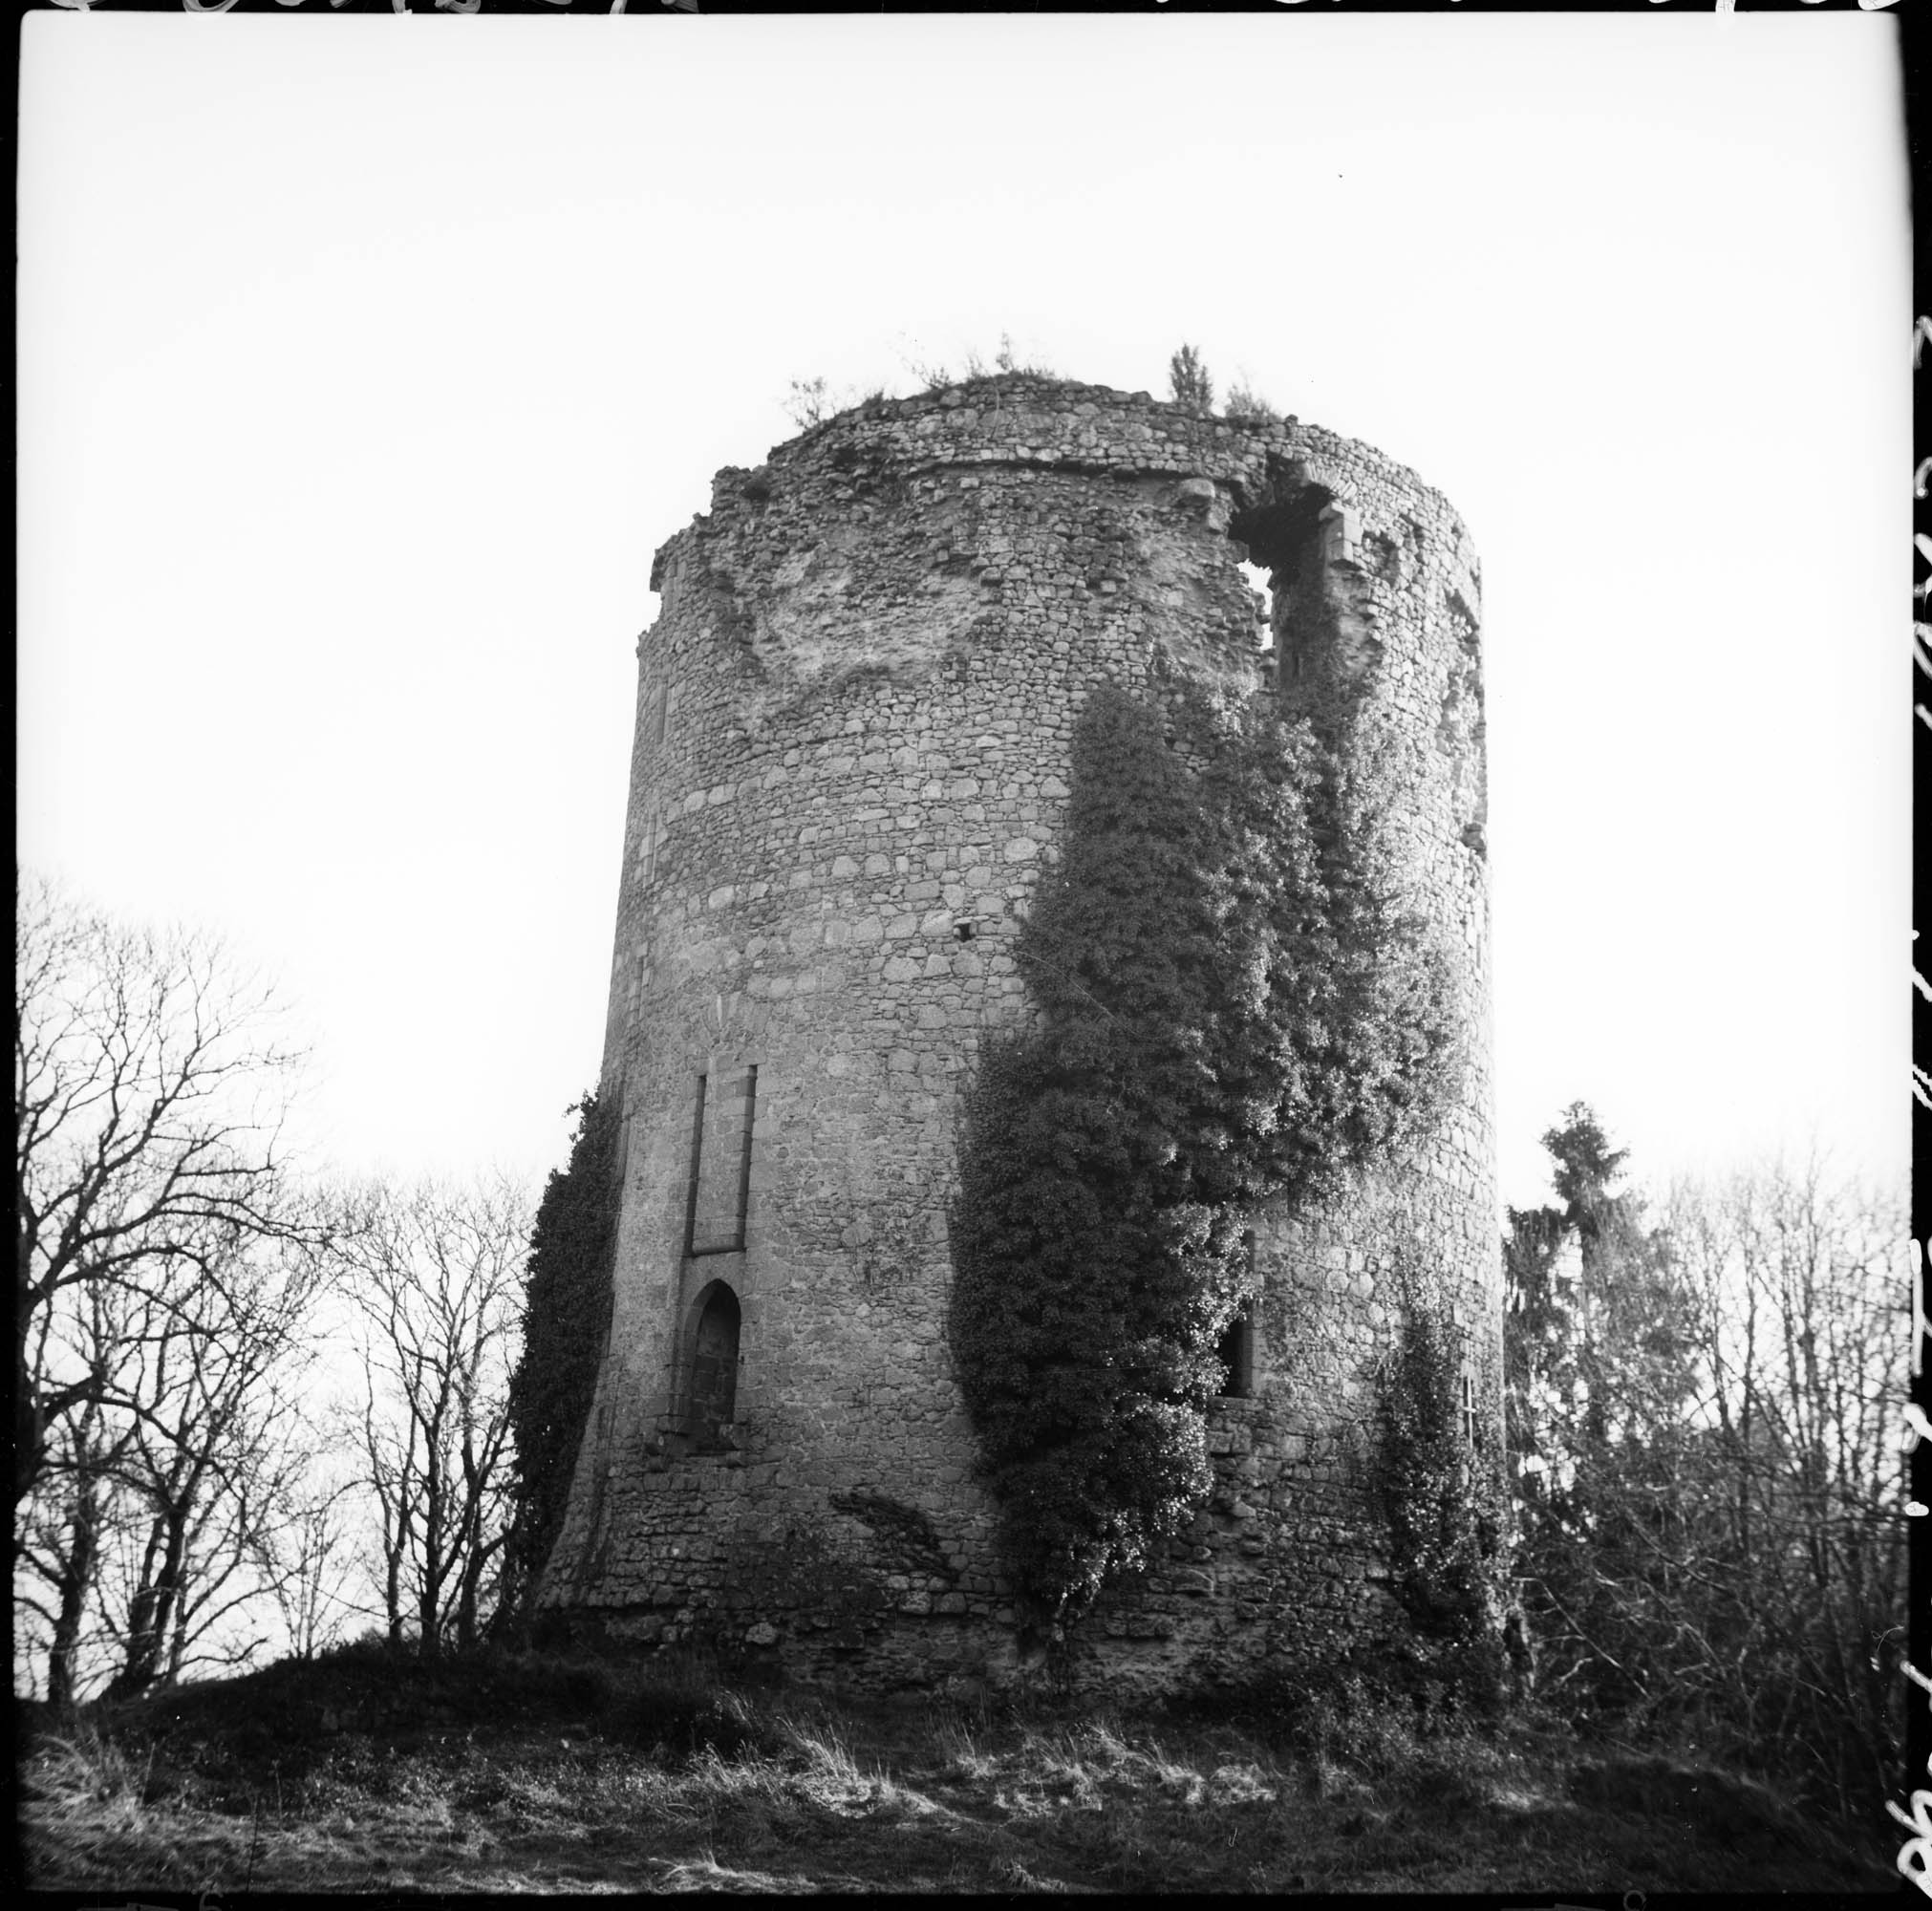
x=1187 y=379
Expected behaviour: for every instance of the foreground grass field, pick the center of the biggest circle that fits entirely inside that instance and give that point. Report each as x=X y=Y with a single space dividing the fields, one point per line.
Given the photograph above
x=364 y=1771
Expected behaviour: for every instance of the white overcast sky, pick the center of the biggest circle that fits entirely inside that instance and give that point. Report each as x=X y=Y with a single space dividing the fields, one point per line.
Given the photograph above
x=364 y=362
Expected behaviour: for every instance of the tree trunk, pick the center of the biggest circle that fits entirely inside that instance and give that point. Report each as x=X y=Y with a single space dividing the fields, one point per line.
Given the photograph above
x=151 y=1616
x=76 y=1583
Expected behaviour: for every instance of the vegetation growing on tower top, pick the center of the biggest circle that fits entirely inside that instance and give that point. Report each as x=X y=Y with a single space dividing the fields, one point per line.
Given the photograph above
x=1187 y=379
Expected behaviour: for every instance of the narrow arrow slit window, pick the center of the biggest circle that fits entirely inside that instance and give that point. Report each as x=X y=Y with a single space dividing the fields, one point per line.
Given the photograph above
x=721 y=1164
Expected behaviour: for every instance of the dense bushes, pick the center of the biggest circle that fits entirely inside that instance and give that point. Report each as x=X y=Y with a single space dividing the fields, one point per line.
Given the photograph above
x=1232 y=1006
x=567 y=1316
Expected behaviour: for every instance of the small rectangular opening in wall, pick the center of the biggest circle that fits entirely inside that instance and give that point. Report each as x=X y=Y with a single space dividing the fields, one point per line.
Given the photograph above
x=1237 y=1356
x=650 y=843
x=718 y=1198
x=1236 y=1349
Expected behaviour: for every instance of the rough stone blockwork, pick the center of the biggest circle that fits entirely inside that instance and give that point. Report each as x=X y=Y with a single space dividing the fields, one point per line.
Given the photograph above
x=853 y=718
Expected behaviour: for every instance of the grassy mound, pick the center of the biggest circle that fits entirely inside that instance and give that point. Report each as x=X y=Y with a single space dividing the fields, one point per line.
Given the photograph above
x=525 y=1772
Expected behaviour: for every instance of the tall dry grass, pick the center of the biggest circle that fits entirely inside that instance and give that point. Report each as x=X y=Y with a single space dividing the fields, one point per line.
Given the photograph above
x=584 y=1775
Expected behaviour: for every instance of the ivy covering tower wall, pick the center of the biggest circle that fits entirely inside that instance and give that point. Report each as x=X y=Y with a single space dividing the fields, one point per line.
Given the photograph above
x=566 y=1314
x=1231 y=1011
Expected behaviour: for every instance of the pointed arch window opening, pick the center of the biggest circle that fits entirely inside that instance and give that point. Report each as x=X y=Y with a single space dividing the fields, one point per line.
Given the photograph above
x=713 y=1392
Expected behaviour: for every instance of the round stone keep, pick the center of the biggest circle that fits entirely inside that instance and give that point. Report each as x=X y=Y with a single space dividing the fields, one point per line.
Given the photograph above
x=850 y=763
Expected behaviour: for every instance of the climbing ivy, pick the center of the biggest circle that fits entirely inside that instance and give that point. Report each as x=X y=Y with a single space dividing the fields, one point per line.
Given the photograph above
x=566 y=1313
x=1231 y=1006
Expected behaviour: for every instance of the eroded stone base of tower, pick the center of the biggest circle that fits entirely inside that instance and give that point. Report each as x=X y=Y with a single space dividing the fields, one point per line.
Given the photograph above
x=794 y=1583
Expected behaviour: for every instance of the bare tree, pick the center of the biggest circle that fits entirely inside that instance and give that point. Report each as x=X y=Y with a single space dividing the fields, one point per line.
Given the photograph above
x=149 y=1090
x=1713 y=1531
x=436 y=1276
x=211 y=1463
x=62 y=1532
x=306 y=1559
x=1803 y=1338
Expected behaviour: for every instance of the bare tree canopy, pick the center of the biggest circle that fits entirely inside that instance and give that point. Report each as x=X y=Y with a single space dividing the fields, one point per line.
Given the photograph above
x=165 y=1263
x=211 y=1465
x=149 y=1090
x=1711 y=1492
x=434 y=1274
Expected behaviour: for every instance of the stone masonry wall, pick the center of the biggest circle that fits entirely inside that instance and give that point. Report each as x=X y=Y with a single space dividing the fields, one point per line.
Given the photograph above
x=853 y=724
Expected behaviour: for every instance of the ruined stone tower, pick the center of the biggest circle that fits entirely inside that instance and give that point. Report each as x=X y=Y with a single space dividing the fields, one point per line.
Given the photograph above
x=853 y=719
